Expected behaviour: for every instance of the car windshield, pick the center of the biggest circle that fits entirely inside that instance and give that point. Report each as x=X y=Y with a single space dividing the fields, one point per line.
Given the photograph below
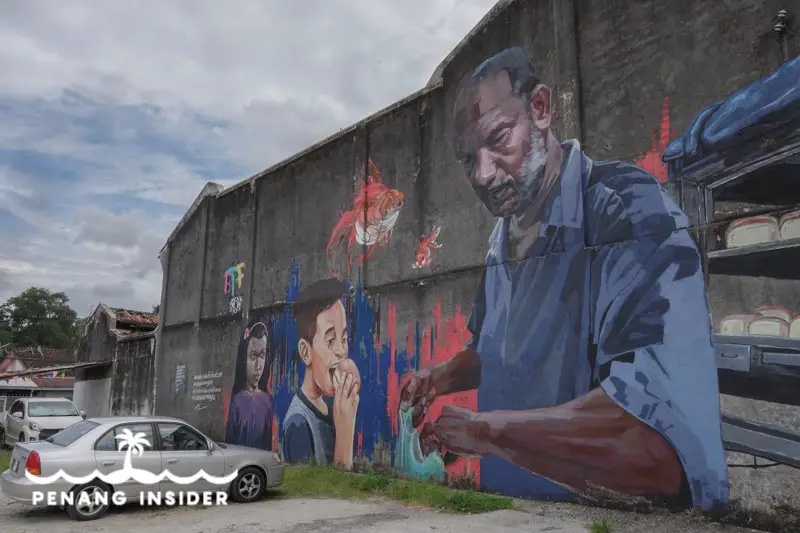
x=67 y=436
x=36 y=409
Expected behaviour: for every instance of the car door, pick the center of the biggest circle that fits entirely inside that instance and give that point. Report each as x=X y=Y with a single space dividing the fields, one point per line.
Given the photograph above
x=185 y=452
x=111 y=455
x=14 y=419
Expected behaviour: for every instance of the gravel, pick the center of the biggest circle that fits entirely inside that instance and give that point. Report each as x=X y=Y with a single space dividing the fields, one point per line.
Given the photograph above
x=330 y=515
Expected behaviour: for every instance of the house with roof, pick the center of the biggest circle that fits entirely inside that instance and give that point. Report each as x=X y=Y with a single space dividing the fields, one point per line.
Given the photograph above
x=36 y=371
x=116 y=355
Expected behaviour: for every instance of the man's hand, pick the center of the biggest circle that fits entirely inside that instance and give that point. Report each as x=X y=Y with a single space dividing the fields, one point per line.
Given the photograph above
x=459 y=431
x=347 y=385
x=418 y=394
x=461 y=373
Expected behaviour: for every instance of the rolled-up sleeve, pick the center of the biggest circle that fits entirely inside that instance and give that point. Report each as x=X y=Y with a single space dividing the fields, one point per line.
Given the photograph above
x=654 y=355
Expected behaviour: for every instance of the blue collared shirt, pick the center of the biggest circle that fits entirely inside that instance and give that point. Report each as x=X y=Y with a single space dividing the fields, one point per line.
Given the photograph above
x=611 y=294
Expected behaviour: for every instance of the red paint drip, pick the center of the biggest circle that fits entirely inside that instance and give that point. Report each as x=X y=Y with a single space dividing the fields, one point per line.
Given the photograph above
x=226 y=403
x=651 y=160
x=274 y=433
x=441 y=340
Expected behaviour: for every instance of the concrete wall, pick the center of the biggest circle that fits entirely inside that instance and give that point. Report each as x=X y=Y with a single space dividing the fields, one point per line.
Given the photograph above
x=132 y=377
x=128 y=382
x=627 y=77
x=93 y=395
x=98 y=344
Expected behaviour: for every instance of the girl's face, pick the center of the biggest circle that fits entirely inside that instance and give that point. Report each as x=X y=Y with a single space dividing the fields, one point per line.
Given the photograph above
x=256 y=360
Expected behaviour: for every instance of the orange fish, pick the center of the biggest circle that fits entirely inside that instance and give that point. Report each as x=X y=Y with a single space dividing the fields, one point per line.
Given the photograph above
x=426 y=244
x=370 y=221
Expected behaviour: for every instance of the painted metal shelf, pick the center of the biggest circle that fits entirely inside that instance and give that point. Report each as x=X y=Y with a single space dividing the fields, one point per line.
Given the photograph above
x=768 y=441
x=719 y=171
x=759 y=368
x=777 y=259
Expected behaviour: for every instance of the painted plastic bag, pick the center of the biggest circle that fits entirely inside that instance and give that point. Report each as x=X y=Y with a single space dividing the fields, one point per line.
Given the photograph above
x=409 y=454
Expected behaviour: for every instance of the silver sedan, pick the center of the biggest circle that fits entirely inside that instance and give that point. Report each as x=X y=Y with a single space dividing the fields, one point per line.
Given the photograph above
x=99 y=462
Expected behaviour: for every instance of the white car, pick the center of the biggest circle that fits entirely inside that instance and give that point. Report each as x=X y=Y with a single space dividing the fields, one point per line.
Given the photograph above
x=30 y=419
x=105 y=450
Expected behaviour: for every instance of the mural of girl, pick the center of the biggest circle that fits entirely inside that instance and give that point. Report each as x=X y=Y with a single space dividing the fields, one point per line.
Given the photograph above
x=250 y=412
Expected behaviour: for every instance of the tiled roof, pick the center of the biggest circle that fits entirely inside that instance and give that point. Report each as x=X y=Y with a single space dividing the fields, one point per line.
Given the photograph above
x=34 y=357
x=134 y=318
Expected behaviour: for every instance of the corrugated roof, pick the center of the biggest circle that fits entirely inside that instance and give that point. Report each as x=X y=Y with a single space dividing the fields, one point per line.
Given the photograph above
x=50 y=369
x=54 y=383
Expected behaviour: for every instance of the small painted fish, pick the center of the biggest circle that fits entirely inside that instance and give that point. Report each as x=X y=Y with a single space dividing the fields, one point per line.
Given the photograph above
x=426 y=244
x=370 y=221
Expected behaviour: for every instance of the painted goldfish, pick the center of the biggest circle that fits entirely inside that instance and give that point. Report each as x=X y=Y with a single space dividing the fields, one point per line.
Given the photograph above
x=370 y=222
x=426 y=244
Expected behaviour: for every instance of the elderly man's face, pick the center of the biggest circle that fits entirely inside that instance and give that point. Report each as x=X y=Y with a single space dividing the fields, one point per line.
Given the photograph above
x=502 y=151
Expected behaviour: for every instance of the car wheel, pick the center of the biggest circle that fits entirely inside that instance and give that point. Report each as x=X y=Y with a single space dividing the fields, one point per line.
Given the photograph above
x=2 y=439
x=89 y=501
x=249 y=486
x=22 y=437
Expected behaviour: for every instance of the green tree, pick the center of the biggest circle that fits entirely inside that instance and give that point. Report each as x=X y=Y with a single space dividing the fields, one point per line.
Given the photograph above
x=38 y=317
x=6 y=335
x=156 y=309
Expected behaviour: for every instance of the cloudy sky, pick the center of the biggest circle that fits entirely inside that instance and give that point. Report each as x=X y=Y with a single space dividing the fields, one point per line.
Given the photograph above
x=114 y=113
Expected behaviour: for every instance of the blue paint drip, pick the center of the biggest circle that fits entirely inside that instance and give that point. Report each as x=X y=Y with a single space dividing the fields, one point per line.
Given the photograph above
x=286 y=371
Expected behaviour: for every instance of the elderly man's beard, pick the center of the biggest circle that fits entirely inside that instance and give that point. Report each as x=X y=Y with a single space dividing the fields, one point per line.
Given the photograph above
x=525 y=188
x=530 y=183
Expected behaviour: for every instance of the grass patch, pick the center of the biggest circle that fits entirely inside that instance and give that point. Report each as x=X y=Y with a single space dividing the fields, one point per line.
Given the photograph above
x=5 y=458
x=305 y=481
x=600 y=527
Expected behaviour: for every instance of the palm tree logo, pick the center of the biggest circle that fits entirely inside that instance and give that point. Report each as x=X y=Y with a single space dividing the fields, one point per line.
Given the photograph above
x=133 y=445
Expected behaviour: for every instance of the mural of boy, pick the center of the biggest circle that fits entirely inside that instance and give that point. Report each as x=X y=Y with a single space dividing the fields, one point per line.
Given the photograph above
x=250 y=414
x=320 y=421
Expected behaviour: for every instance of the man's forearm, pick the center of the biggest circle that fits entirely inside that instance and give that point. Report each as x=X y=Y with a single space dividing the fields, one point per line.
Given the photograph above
x=460 y=373
x=590 y=441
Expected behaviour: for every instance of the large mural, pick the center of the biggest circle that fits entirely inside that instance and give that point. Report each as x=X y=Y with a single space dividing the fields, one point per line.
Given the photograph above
x=586 y=361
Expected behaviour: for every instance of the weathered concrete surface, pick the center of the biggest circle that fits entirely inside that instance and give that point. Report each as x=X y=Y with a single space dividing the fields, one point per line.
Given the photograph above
x=133 y=374
x=93 y=396
x=614 y=67
x=306 y=516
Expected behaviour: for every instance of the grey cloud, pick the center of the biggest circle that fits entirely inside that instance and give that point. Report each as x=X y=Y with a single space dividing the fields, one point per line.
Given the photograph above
x=5 y=282
x=146 y=261
x=187 y=91
x=84 y=298
x=101 y=227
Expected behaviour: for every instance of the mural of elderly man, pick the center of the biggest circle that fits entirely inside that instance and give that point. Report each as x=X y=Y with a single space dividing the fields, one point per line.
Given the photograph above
x=250 y=415
x=321 y=420
x=591 y=349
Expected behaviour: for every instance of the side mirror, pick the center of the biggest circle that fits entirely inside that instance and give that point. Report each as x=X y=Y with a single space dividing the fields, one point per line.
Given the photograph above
x=212 y=446
x=83 y=414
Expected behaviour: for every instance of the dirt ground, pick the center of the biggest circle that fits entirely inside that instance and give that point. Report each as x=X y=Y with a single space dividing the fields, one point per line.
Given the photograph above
x=328 y=515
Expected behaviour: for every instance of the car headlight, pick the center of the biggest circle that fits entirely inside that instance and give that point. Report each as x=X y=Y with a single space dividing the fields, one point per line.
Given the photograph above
x=277 y=457
x=35 y=426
